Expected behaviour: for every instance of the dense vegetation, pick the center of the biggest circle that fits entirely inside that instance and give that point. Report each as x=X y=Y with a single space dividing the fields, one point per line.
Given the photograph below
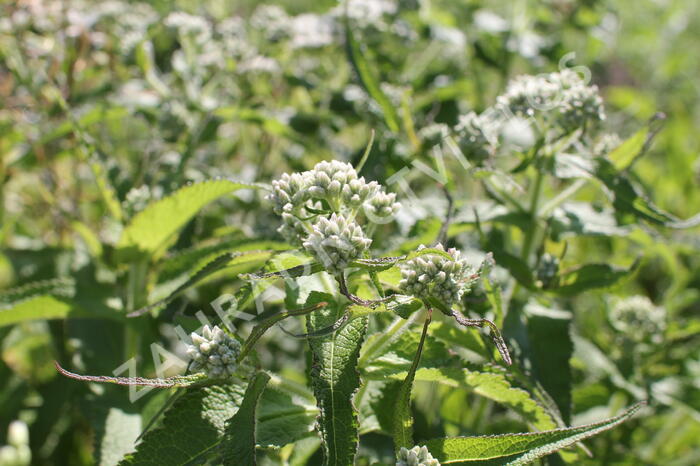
x=367 y=232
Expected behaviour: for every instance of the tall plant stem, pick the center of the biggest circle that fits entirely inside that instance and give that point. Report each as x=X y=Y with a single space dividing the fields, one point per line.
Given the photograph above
x=531 y=233
x=136 y=298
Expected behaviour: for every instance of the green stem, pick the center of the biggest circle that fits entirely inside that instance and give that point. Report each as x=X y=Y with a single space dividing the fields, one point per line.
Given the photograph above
x=563 y=196
x=136 y=298
x=531 y=233
x=403 y=419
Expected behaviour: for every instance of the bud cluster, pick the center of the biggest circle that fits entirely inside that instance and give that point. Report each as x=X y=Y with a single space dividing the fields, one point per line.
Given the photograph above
x=435 y=275
x=637 y=317
x=319 y=207
x=547 y=270
x=214 y=352
x=336 y=241
x=416 y=456
x=16 y=452
x=564 y=92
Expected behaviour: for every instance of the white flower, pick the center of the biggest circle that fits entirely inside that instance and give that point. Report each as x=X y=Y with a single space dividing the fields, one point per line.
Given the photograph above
x=336 y=241
x=271 y=19
x=581 y=104
x=437 y=276
x=214 y=352
x=310 y=30
x=17 y=434
x=381 y=207
x=638 y=318
x=416 y=456
x=527 y=94
x=336 y=183
x=259 y=64
x=366 y=13
x=565 y=92
x=189 y=25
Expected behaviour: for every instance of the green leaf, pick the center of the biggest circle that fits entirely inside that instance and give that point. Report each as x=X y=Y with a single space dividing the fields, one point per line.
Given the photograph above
x=516 y=266
x=623 y=155
x=284 y=416
x=493 y=386
x=551 y=349
x=403 y=305
x=364 y=73
x=335 y=379
x=117 y=435
x=228 y=262
x=402 y=431
x=493 y=295
x=574 y=219
x=262 y=327
x=182 y=262
x=376 y=265
x=628 y=198
x=572 y=166
x=150 y=229
x=518 y=449
x=48 y=307
x=250 y=115
x=59 y=287
x=460 y=337
x=194 y=424
x=238 y=444
x=590 y=276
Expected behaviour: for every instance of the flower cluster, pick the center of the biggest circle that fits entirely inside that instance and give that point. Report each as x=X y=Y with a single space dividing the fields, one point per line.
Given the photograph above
x=437 y=276
x=319 y=207
x=637 y=317
x=16 y=452
x=214 y=352
x=416 y=456
x=574 y=102
x=336 y=241
x=526 y=94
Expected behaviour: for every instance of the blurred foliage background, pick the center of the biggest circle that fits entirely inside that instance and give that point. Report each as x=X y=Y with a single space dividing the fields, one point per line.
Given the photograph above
x=107 y=106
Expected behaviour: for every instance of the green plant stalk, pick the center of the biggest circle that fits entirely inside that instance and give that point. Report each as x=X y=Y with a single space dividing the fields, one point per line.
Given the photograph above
x=136 y=298
x=531 y=233
x=403 y=419
x=563 y=196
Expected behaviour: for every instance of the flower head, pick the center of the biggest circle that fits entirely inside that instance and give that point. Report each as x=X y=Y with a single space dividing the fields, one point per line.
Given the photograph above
x=638 y=317
x=437 y=276
x=525 y=95
x=329 y=188
x=214 y=352
x=416 y=456
x=336 y=241
x=566 y=93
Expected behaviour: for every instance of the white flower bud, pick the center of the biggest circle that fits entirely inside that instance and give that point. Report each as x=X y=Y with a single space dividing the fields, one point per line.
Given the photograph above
x=214 y=352
x=335 y=242
x=17 y=434
x=435 y=275
x=416 y=456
